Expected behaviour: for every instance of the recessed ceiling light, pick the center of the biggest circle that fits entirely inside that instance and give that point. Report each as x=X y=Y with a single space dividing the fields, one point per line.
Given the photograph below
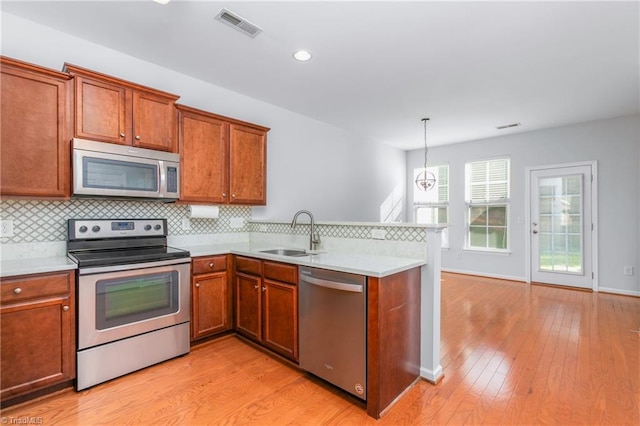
x=302 y=55
x=162 y=1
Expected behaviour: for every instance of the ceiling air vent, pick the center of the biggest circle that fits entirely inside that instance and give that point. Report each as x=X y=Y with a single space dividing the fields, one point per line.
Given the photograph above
x=238 y=23
x=508 y=126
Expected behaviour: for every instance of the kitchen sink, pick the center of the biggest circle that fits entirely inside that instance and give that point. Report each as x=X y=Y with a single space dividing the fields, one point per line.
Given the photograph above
x=286 y=252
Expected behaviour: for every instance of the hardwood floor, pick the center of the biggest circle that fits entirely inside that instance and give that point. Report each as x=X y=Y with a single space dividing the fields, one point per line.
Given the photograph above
x=512 y=354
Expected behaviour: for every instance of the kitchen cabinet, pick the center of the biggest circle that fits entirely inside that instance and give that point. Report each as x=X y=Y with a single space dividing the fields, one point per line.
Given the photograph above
x=393 y=337
x=223 y=161
x=267 y=304
x=35 y=130
x=247 y=164
x=210 y=297
x=112 y=110
x=37 y=339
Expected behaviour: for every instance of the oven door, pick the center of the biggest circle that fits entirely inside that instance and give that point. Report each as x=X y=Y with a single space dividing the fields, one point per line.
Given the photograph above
x=132 y=300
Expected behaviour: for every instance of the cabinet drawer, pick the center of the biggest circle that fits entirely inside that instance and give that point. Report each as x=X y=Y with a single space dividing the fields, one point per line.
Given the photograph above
x=203 y=265
x=281 y=272
x=24 y=288
x=248 y=265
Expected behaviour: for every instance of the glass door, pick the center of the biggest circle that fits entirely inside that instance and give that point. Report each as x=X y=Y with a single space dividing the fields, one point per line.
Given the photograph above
x=561 y=226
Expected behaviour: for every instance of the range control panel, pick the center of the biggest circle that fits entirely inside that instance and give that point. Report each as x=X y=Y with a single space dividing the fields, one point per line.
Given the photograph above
x=84 y=229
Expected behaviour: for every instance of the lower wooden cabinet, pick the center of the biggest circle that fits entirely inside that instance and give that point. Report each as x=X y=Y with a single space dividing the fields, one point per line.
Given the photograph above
x=37 y=338
x=210 y=297
x=267 y=304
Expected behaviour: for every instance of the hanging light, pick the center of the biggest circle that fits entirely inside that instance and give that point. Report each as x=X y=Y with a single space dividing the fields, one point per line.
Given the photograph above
x=425 y=180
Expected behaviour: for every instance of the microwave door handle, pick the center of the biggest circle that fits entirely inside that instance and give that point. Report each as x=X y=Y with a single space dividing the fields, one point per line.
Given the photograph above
x=163 y=179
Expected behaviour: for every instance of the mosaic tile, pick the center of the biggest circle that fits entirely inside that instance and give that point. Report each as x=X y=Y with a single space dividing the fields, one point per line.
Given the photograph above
x=40 y=221
x=394 y=233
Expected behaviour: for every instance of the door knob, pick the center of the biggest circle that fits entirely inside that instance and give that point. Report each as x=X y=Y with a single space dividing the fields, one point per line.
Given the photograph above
x=535 y=231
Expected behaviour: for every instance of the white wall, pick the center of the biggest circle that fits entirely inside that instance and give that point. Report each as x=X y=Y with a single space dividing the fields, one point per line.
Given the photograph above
x=613 y=143
x=310 y=165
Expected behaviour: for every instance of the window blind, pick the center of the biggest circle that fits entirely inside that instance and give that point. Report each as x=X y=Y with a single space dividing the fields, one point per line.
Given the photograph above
x=487 y=180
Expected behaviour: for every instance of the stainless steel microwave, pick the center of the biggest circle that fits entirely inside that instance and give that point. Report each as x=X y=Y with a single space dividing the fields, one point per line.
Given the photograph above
x=109 y=170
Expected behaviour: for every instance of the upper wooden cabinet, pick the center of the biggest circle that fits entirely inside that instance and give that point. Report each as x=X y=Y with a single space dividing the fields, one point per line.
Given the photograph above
x=247 y=165
x=222 y=160
x=35 y=122
x=111 y=110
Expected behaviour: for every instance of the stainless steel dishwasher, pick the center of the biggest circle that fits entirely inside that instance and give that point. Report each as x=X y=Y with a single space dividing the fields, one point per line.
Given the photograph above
x=332 y=325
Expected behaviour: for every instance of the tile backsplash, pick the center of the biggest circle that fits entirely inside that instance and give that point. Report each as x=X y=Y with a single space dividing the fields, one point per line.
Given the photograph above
x=43 y=221
x=360 y=231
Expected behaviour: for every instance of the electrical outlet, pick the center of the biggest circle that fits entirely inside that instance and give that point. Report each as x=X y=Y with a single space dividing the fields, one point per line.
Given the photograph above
x=186 y=224
x=459 y=255
x=628 y=270
x=236 y=222
x=378 y=234
x=6 y=228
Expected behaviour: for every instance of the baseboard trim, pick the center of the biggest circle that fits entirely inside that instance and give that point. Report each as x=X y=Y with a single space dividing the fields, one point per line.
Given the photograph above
x=483 y=274
x=618 y=291
x=432 y=376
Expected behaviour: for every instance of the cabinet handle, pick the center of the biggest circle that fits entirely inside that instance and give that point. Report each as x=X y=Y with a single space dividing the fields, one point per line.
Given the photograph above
x=210 y=264
x=17 y=290
x=256 y=286
x=197 y=284
x=65 y=308
x=224 y=194
x=137 y=137
x=233 y=195
x=264 y=289
x=122 y=135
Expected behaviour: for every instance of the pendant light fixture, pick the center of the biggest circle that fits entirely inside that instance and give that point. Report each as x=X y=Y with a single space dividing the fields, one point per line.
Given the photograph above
x=425 y=180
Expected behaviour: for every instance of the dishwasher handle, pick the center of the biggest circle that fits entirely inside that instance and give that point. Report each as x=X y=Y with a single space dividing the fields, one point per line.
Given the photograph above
x=354 y=288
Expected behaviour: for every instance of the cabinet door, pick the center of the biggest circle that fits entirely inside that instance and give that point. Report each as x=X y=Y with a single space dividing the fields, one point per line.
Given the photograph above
x=203 y=144
x=34 y=141
x=37 y=345
x=247 y=165
x=280 y=303
x=101 y=111
x=154 y=122
x=249 y=305
x=210 y=305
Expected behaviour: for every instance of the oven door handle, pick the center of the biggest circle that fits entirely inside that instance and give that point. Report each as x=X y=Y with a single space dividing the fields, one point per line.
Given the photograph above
x=132 y=266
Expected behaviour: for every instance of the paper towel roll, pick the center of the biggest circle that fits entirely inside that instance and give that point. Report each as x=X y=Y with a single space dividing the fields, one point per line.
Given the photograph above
x=204 y=212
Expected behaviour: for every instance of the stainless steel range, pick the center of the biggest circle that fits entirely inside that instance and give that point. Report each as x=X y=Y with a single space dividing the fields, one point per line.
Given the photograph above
x=133 y=296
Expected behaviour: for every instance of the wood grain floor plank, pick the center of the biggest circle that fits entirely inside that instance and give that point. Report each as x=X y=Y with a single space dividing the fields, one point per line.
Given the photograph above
x=512 y=353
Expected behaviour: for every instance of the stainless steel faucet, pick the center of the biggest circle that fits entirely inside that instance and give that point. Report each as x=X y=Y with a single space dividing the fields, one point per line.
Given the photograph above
x=314 y=237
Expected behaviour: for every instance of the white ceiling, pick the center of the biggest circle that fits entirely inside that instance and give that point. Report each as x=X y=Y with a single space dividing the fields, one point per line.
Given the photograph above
x=379 y=67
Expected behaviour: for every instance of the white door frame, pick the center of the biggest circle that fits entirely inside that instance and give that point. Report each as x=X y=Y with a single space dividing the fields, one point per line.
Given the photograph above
x=594 y=215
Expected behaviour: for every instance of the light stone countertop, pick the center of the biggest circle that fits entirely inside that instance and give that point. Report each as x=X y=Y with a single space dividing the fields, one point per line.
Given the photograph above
x=363 y=264
x=355 y=263
x=10 y=268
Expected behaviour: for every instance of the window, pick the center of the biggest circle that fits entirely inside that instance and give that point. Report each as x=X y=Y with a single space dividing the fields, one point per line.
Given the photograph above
x=432 y=207
x=487 y=197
